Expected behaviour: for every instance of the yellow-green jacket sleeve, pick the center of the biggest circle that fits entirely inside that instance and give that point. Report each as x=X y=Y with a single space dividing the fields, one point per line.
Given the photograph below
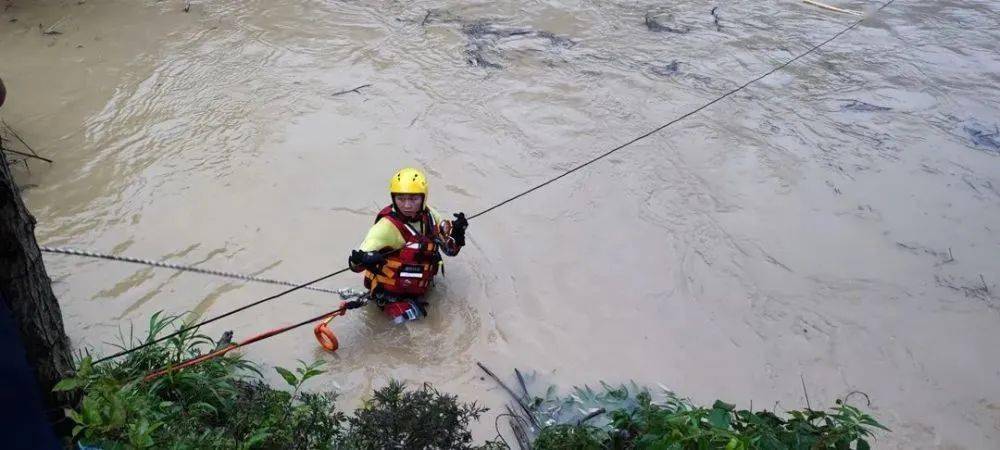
x=381 y=236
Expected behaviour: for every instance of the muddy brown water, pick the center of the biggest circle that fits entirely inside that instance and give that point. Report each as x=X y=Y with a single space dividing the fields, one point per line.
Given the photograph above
x=836 y=221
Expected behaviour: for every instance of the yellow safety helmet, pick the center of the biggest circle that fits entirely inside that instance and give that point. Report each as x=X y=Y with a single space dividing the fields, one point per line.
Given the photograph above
x=408 y=181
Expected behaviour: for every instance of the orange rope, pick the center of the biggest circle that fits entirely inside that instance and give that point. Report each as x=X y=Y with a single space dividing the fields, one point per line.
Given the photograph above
x=327 y=339
x=259 y=337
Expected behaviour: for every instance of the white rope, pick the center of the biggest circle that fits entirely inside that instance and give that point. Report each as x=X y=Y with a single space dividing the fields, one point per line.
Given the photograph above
x=166 y=265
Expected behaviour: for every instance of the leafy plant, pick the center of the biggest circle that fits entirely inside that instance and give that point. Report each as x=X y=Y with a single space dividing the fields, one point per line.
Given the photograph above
x=571 y=437
x=397 y=418
x=676 y=424
x=221 y=403
x=224 y=403
x=305 y=371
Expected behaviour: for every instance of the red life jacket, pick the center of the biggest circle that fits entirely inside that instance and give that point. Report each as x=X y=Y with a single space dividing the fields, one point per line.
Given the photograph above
x=408 y=272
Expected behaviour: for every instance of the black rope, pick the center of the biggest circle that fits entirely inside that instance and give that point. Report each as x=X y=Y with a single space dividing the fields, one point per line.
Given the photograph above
x=220 y=316
x=678 y=119
x=522 y=194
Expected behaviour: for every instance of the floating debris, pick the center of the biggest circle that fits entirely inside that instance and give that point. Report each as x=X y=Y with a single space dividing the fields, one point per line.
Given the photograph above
x=657 y=23
x=436 y=16
x=480 y=30
x=666 y=70
x=976 y=288
x=556 y=40
x=478 y=53
x=356 y=90
x=860 y=106
x=917 y=249
x=483 y=49
x=984 y=138
x=51 y=31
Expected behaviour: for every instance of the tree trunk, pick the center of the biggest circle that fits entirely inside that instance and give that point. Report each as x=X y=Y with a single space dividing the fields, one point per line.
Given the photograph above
x=27 y=290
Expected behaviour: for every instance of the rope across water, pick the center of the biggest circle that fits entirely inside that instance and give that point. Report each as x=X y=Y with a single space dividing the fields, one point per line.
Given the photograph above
x=166 y=265
x=529 y=190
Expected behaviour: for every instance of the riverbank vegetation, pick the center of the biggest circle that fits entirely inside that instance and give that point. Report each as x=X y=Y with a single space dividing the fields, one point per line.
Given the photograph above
x=225 y=403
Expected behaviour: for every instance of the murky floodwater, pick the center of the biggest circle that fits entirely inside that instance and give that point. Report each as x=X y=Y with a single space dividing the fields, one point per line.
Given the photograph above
x=835 y=221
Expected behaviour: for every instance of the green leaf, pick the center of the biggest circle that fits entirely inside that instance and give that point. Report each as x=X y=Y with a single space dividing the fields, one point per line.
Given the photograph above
x=203 y=407
x=287 y=375
x=68 y=384
x=719 y=418
x=719 y=404
x=86 y=366
x=868 y=420
x=257 y=438
x=648 y=441
x=155 y=324
x=118 y=411
x=90 y=412
x=73 y=415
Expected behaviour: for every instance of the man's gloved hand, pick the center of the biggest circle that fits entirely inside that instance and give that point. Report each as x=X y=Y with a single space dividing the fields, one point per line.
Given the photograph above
x=354 y=304
x=458 y=227
x=368 y=260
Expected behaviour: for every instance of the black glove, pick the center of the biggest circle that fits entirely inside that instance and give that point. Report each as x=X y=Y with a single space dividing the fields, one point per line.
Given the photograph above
x=354 y=304
x=368 y=260
x=458 y=227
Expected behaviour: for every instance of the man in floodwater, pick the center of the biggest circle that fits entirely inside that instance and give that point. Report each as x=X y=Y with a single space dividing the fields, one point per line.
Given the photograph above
x=402 y=251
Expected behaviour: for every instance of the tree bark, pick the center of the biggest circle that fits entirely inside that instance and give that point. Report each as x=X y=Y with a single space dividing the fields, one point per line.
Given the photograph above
x=27 y=290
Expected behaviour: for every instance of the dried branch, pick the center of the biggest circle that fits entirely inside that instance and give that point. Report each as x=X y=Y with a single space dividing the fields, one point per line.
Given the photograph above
x=27 y=155
x=33 y=153
x=524 y=387
x=355 y=90
x=591 y=415
x=531 y=417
